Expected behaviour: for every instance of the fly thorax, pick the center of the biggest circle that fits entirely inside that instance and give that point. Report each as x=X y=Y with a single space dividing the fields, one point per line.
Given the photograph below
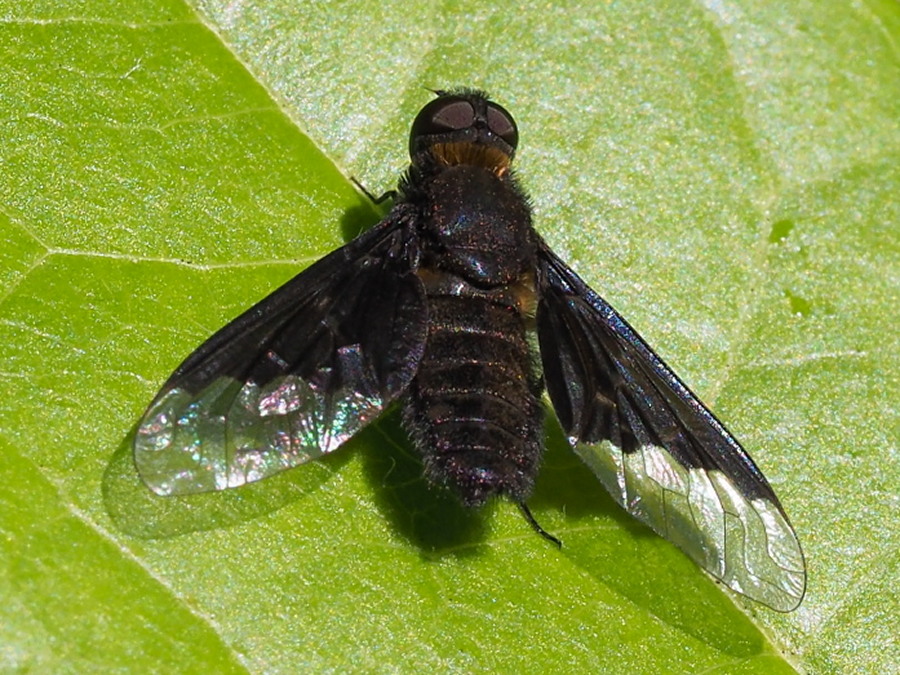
x=478 y=226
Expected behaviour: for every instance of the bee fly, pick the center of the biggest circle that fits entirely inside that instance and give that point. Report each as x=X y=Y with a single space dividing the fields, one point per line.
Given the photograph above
x=432 y=308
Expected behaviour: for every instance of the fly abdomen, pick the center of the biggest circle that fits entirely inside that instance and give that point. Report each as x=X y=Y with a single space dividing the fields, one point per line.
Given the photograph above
x=473 y=409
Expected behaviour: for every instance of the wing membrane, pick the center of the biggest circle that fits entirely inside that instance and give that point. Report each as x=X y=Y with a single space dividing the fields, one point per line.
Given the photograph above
x=657 y=449
x=294 y=376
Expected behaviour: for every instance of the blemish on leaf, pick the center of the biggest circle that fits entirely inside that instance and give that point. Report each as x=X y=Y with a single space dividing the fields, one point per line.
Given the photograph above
x=780 y=231
x=799 y=306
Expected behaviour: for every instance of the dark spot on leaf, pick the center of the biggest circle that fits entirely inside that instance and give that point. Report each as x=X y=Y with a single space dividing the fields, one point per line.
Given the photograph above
x=780 y=231
x=799 y=306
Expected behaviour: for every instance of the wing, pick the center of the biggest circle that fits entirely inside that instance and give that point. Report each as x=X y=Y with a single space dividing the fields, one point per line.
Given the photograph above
x=294 y=376
x=658 y=450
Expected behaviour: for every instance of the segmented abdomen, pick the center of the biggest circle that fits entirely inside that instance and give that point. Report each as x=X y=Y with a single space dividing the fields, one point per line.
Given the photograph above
x=473 y=409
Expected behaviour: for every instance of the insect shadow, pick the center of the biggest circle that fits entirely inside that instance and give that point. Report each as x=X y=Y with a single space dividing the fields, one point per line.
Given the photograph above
x=429 y=517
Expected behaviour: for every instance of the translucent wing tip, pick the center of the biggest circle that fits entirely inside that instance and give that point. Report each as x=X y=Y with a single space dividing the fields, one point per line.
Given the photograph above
x=232 y=432
x=173 y=450
x=748 y=544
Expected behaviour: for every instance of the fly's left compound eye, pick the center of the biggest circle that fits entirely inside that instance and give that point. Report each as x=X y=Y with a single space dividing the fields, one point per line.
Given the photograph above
x=441 y=116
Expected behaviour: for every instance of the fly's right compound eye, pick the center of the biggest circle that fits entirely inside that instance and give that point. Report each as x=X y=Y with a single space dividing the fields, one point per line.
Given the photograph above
x=502 y=124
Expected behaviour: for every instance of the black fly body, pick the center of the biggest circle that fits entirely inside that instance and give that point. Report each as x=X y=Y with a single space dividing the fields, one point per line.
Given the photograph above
x=432 y=309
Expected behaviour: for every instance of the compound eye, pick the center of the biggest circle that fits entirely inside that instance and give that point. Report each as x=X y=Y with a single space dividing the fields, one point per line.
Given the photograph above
x=501 y=123
x=442 y=116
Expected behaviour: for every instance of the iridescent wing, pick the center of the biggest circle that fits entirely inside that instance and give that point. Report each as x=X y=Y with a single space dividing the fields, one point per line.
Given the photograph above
x=294 y=376
x=657 y=449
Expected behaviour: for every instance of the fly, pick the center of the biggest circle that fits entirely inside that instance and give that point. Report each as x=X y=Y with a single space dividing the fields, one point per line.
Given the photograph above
x=432 y=310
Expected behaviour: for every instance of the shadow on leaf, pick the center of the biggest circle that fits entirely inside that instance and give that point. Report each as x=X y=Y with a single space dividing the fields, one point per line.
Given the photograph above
x=429 y=516
x=619 y=552
x=139 y=512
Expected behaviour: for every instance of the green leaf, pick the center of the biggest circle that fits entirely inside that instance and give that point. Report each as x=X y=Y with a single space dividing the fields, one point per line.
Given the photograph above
x=724 y=173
